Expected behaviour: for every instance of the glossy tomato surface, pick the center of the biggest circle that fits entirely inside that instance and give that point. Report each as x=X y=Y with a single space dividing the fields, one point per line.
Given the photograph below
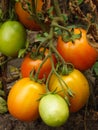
x=53 y=110
x=80 y=53
x=30 y=64
x=24 y=16
x=78 y=84
x=23 y=99
x=12 y=38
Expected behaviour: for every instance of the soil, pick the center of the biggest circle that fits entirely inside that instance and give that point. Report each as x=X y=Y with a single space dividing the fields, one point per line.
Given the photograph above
x=77 y=121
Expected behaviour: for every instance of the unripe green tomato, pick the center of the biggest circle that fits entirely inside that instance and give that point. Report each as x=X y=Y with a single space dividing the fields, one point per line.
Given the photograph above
x=53 y=110
x=12 y=38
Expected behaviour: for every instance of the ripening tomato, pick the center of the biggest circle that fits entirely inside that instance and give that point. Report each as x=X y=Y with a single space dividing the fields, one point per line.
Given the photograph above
x=23 y=99
x=13 y=37
x=24 y=16
x=29 y=64
x=78 y=84
x=80 y=53
x=53 y=110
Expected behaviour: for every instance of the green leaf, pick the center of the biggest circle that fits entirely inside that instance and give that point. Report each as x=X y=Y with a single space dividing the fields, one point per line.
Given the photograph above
x=17 y=0
x=3 y=106
x=41 y=38
x=65 y=17
x=95 y=68
x=2 y=93
x=80 y=2
x=57 y=31
x=0 y=84
x=23 y=51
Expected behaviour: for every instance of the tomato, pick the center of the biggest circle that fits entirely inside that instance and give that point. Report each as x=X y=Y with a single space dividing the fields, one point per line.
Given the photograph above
x=24 y=16
x=23 y=99
x=29 y=64
x=53 y=110
x=80 y=53
x=12 y=38
x=78 y=84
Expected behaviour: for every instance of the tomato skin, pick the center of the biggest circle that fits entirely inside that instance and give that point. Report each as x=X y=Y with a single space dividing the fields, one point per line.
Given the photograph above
x=12 y=38
x=78 y=83
x=25 y=18
x=79 y=53
x=23 y=99
x=53 y=110
x=29 y=64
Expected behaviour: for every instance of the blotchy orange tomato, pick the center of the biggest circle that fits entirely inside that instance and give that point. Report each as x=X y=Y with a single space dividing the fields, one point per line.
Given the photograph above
x=30 y=64
x=25 y=18
x=78 y=84
x=80 y=53
x=23 y=99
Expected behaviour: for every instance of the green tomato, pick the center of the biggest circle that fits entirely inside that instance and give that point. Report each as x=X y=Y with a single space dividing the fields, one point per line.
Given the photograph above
x=53 y=110
x=12 y=38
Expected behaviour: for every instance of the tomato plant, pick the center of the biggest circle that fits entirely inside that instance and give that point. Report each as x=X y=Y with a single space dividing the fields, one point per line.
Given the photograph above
x=30 y=64
x=24 y=15
x=53 y=110
x=78 y=84
x=79 y=52
x=23 y=99
x=12 y=38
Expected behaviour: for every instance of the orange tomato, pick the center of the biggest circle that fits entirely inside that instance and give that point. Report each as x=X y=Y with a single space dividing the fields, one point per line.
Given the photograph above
x=80 y=53
x=23 y=99
x=24 y=16
x=78 y=84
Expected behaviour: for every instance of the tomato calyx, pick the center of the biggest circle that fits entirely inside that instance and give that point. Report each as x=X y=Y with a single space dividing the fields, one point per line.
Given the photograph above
x=37 y=55
x=64 y=69
x=71 y=36
x=55 y=92
x=47 y=93
x=34 y=77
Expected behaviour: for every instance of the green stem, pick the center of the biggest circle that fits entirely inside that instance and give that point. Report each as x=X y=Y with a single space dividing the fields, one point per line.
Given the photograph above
x=55 y=24
x=38 y=71
x=56 y=7
x=58 y=54
x=61 y=81
x=52 y=48
x=46 y=41
x=47 y=81
x=4 y=62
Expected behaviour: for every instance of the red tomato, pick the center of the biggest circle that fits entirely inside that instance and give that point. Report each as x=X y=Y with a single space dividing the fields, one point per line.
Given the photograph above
x=79 y=53
x=23 y=99
x=25 y=18
x=29 y=64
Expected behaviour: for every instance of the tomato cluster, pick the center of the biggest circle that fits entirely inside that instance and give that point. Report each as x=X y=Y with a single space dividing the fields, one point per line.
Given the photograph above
x=62 y=91
x=28 y=96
